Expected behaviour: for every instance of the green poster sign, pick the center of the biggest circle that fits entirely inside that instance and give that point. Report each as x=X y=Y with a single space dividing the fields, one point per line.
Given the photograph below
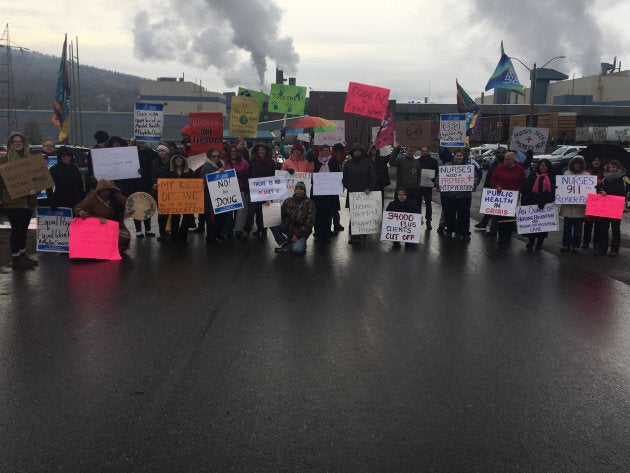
x=258 y=96
x=289 y=99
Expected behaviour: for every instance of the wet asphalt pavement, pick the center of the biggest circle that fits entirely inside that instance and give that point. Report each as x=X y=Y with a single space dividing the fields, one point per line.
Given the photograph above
x=449 y=357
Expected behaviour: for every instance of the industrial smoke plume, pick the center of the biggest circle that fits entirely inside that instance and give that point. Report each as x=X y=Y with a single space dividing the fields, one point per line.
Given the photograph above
x=219 y=33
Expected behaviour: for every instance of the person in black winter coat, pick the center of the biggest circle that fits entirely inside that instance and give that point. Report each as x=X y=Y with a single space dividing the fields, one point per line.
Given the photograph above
x=539 y=189
x=615 y=183
x=68 y=190
x=325 y=205
x=402 y=203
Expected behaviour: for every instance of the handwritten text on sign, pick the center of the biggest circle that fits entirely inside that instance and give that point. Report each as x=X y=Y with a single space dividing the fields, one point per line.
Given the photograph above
x=206 y=131
x=180 y=196
x=502 y=203
x=293 y=179
x=327 y=183
x=453 y=129
x=365 y=212
x=401 y=226
x=573 y=189
x=459 y=178
x=21 y=176
x=224 y=191
x=531 y=219
x=148 y=121
x=52 y=229
x=525 y=139
x=272 y=214
x=262 y=189
x=610 y=206
x=116 y=163
x=366 y=100
x=89 y=238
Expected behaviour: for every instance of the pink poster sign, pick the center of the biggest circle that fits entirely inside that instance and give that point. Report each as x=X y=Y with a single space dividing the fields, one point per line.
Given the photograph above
x=89 y=238
x=610 y=206
x=366 y=100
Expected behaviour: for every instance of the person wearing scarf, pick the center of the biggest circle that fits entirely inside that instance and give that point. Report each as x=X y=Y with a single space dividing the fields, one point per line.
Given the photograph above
x=539 y=189
x=325 y=205
x=615 y=183
x=573 y=213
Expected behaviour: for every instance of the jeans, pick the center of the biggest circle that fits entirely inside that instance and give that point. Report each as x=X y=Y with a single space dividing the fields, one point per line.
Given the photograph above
x=572 y=232
x=281 y=234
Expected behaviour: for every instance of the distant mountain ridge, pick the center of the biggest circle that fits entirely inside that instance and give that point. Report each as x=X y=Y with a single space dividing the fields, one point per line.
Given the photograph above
x=35 y=79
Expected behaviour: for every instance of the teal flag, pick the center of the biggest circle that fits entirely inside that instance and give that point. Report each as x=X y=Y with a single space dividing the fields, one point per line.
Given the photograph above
x=504 y=76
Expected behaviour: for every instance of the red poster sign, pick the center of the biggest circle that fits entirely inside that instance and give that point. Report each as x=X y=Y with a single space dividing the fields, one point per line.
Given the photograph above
x=206 y=131
x=366 y=100
x=610 y=206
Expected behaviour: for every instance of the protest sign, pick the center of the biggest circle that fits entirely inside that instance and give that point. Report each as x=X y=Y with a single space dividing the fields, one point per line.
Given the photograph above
x=532 y=219
x=502 y=203
x=289 y=99
x=366 y=212
x=457 y=178
x=427 y=176
x=327 y=183
x=416 y=133
x=52 y=229
x=206 y=131
x=253 y=94
x=50 y=162
x=332 y=137
x=609 y=206
x=526 y=138
x=148 y=121
x=401 y=226
x=196 y=161
x=140 y=206
x=574 y=188
x=89 y=238
x=366 y=100
x=180 y=196
x=262 y=189
x=244 y=117
x=453 y=129
x=22 y=176
x=224 y=191
x=116 y=163
x=294 y=178
x=272 y=214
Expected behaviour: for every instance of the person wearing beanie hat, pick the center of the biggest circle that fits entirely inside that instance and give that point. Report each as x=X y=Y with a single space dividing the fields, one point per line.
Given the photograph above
x=162 y=148
x=19 y=210
x=261 y=164
x=68 y=190
x=297 y=162
x=298 y=217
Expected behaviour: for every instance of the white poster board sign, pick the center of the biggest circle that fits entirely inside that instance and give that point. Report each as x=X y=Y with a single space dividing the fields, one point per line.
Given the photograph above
x=401 y=226
x=52 y=229
x=526 y=138
x=453 y=129
x=332 y=137
x=224 y=191
x=262 y=189
x=196 y=161
x=426 y=177
x=272 y=214
x=457 y=178
x=115 y=163
x=574 y=189
x=148 y=121
x=501 y=203
x=294 y=178
x=531 y=219
x=327 y=183
x=366 y=212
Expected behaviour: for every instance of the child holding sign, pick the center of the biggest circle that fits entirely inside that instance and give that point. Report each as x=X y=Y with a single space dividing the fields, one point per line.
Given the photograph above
x=615 y=183
x=402 y=203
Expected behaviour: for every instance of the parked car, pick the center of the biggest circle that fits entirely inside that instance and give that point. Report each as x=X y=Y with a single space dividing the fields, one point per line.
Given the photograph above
x=487 y=157
x=559 y=158
x=478 y=152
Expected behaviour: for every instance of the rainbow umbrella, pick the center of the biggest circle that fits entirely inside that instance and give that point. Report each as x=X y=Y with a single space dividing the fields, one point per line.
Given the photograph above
x=308 y=123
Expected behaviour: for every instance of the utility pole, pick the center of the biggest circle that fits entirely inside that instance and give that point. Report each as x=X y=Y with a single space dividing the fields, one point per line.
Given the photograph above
x=8 y=114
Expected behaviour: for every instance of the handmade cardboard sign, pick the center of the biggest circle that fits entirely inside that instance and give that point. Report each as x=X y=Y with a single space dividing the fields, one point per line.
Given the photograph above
x=457 y=178
x=89 y=238
x=502 y=203
x=453 y=129
x=180 y=196
x=532 y=219
x=366 y=212
x=610 y=206
x=116 y=163
x=366 y=100
x=401 y=226
x=327 y=183
x=262 y=189
x=52 y=229
x=23 y=176
x=574 y=188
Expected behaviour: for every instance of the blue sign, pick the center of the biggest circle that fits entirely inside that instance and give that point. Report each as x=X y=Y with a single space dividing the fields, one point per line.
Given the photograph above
x=225 y=194
x=52 y=229
x=148 y=121
x=453 y=129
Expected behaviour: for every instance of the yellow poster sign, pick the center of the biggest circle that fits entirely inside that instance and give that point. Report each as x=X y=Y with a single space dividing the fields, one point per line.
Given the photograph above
x=244 y=117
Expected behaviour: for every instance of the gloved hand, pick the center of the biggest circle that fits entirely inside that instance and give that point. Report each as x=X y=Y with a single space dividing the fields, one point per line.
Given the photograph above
x=291 y=171
x=541 y=206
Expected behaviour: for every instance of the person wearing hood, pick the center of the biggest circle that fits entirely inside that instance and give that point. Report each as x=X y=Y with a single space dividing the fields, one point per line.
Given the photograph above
x=380 y=166
x=20 y=210
x=358 y=176
x=325 y=205
x=236 y=221
x=160 y=168
x=592 y=225
x=106 y=203
x=539 y=189
x=180 y=223
x=261 y=164
x=573 y=213
x=402 y=203
x=214 y=222
x=298 y=216
x=297 y=162
x=68 y=190
x=615 y=183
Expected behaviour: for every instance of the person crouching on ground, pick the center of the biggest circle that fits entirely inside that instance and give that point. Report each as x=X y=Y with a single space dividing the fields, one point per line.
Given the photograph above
x=298 y=217
x=402 y=203
x=106 y=203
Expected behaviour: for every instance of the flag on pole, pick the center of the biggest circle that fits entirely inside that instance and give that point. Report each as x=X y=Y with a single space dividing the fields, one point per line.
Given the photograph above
x=465 y=104
x=61 y=103
x=504 y=76
x=385 y=135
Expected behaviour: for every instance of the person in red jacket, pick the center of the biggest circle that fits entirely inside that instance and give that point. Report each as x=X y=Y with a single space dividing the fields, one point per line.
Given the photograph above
x=508 y=176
